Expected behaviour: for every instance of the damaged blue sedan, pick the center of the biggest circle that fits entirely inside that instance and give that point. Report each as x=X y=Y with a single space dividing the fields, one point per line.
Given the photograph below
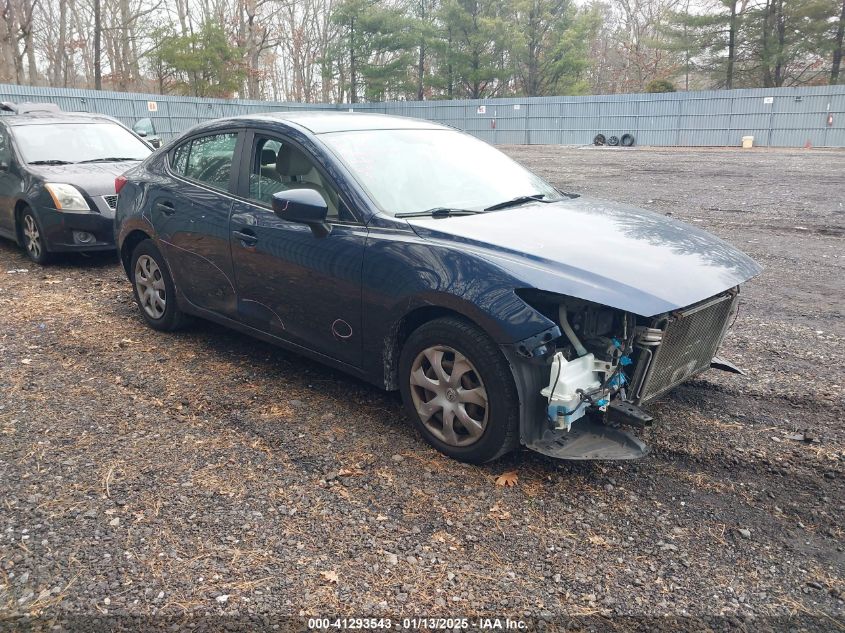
x=423 y=260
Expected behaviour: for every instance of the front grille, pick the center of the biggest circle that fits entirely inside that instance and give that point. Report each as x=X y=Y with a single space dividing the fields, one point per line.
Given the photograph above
x=691 y=338
x=111 y=201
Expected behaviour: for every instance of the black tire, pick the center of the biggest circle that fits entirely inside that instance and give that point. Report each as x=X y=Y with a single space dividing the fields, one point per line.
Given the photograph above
x=489 y=366
x=34 y=244
x=599 y=139
x=171 y=318
x=627 y=140
x=613 y=141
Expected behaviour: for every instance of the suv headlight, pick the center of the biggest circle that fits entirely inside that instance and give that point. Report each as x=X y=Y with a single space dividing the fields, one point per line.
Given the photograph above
x=67 y=197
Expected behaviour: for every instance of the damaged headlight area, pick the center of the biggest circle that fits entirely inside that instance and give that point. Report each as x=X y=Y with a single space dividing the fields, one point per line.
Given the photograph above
x=590 y=362
x=606 y=363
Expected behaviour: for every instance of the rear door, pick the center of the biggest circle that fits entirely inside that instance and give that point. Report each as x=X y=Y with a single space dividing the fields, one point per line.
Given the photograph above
x=191 y=216
x=303 y=287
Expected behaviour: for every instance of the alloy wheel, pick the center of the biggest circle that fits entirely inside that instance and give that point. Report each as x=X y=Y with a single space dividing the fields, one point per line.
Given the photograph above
x=149 y=284
x=32 y=237
x=449 y=396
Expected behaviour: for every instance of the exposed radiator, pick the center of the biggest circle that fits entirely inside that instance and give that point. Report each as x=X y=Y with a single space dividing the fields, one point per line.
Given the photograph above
x=690 y=339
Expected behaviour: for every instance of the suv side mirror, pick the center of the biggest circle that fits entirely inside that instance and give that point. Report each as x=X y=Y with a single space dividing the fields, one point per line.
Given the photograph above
x=305 y=206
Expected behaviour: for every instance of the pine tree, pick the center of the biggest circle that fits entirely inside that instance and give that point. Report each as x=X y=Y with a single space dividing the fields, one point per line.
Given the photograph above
x=475 y=59
x=372 y=51
x=550 y=46
x=789 y=40
x=707 y=42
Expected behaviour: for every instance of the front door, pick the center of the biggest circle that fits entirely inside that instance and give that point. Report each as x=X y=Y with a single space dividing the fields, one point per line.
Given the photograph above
x=303 y=287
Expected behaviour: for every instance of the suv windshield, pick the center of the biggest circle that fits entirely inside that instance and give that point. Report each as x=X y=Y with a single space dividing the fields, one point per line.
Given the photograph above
x=410 y=171
x=77 y=142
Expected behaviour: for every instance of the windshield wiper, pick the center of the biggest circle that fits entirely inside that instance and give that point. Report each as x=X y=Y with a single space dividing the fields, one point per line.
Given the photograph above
x=437 y=212
x=50 y=162
x=108 y=159
x=536 y=197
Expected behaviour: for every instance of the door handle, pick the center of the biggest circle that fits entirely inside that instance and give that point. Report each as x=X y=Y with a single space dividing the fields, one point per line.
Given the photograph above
x=248 y=239
x=166 y=207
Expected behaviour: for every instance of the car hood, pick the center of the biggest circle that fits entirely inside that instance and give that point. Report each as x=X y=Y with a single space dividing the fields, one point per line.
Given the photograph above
x=96 y=179
x=613 y=254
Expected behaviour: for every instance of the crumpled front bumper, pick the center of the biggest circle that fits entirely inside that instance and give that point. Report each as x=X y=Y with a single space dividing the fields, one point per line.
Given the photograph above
x=588 y=439
x=58 y=228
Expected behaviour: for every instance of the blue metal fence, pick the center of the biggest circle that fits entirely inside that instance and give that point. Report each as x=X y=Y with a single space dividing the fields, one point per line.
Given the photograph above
x=171 y=115
x=782 y=117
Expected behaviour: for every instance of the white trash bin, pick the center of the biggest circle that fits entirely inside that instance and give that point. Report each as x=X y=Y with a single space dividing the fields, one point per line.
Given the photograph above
x=747 y=142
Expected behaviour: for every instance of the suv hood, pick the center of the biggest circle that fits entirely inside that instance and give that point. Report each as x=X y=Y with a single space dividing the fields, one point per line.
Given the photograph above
x=96 y=179
x=612 y=254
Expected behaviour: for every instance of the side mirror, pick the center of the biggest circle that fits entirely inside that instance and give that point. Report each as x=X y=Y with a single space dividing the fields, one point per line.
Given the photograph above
x=305 y=206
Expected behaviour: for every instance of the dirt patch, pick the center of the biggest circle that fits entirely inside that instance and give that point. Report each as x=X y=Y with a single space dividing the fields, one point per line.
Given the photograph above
x=208 y=473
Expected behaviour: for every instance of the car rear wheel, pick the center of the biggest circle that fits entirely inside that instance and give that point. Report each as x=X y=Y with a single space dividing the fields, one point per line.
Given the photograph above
x=33 y=238
x=154 y=289
x=458 y=391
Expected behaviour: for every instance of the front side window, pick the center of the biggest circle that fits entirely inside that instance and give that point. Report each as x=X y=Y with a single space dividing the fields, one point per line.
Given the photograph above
x=408 y=171
x=78 y=143
x=207 y=159
x=278 y=166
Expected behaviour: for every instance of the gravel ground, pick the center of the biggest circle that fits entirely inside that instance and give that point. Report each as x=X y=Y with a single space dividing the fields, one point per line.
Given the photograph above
x=205 y=473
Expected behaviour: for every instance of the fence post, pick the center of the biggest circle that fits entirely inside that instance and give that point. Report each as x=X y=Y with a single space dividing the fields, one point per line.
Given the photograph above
x=771 y=123
x=526 y=122
x=678 y=123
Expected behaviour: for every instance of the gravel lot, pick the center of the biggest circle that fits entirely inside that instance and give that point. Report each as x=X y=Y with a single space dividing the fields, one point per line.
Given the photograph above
x=206 y=473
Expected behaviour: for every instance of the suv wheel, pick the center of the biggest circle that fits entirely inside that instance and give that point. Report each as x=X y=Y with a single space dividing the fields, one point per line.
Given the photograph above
x=458 y=391
x=154 y=289
x=33 y=238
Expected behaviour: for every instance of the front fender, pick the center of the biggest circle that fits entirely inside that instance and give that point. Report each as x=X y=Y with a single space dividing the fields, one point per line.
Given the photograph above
x=403 y=274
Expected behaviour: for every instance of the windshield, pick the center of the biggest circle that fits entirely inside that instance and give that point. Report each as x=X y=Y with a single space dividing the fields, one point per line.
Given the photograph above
x=77 y=142
x=409 y=171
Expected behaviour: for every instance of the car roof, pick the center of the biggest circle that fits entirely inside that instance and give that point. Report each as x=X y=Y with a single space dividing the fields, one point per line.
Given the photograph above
x=323 y=122
x=54 y=118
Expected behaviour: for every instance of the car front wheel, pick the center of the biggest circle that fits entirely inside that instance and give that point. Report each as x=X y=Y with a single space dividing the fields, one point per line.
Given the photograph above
x=458 y=391
x=154 y=290
x=33 y=238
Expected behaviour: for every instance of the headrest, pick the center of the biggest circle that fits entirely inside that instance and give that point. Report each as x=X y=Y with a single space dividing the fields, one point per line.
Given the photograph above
x=268 y=156
x=292 y=162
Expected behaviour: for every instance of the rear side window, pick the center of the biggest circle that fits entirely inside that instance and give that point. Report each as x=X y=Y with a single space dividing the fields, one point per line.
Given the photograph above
x=146 y=126
x=207 y=159
x=179 y=162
